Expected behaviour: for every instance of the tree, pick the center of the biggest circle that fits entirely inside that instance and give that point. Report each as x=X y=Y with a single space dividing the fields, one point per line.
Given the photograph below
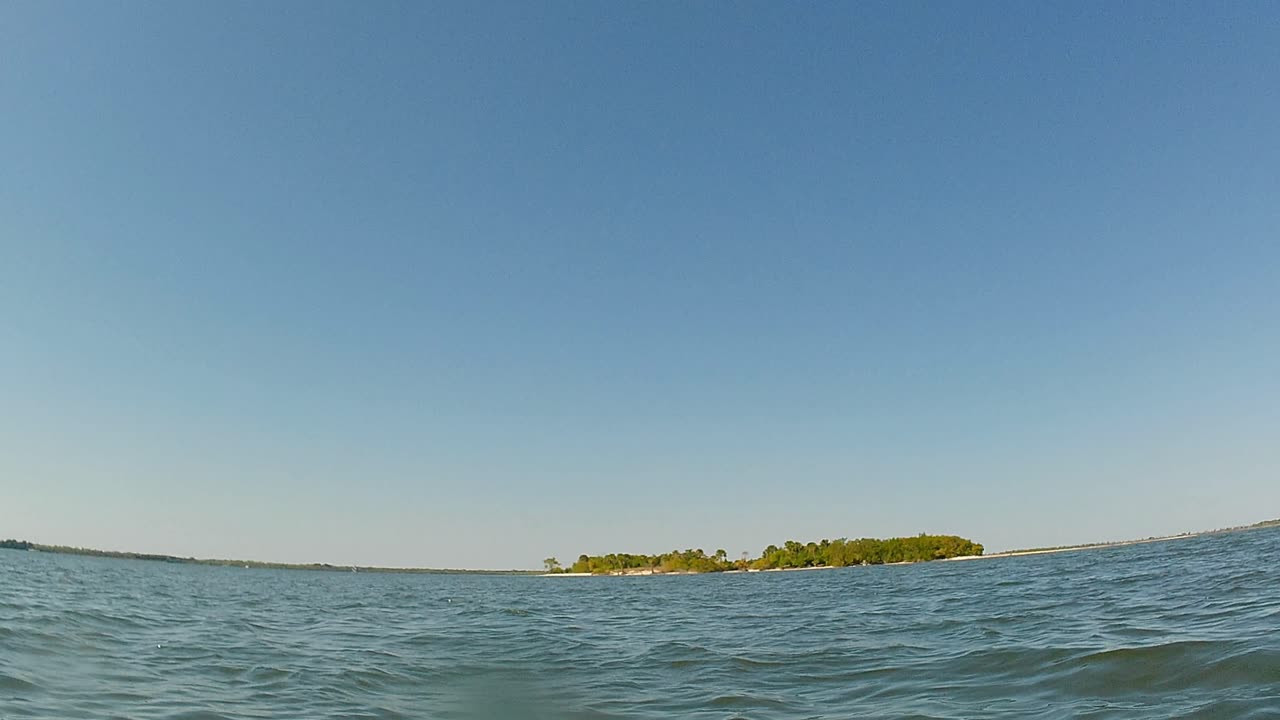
x=553 y=565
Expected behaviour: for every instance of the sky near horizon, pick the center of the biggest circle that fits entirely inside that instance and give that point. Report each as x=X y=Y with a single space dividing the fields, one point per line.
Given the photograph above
x=471 y=284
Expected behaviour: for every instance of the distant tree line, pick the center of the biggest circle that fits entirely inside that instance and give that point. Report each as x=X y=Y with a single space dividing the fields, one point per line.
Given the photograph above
x=675 y=561
x=841 y=552
x=12 y=544
x=865 y=551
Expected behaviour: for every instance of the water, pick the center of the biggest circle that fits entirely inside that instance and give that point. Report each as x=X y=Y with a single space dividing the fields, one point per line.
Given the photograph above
x=1186 y=629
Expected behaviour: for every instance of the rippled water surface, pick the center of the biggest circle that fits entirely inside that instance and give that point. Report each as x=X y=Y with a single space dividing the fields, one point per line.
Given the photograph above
x=1189 y=628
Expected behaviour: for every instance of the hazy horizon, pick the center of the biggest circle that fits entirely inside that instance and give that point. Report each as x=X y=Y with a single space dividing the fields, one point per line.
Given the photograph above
x=471 y=285
x=567 y=560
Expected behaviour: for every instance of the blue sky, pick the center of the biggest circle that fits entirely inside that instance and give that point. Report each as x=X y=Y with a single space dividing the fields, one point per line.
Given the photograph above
x=472 y=284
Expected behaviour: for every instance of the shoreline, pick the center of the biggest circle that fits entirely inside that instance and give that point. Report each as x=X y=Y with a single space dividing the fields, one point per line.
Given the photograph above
x=24 y=546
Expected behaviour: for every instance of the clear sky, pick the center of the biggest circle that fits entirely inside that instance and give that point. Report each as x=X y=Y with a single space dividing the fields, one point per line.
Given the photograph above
x=465 y=284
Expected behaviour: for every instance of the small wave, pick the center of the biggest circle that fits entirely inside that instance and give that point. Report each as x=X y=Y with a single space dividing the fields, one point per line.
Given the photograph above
x=747 y=701
x=10 y=682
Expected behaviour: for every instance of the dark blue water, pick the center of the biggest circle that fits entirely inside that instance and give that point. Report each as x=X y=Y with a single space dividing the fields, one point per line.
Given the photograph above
x=1183 y=629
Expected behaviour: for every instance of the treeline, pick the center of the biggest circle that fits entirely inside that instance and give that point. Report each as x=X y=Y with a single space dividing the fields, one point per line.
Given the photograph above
x=865 y=551
x=675 y=561
x=12 y=544
x=841 y=552
x=67 y=550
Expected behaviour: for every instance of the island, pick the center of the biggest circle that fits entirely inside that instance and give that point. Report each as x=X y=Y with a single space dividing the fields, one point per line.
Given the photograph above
x=792 y=555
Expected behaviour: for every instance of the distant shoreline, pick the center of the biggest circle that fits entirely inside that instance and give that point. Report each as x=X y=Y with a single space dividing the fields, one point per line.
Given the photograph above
x=1121 y=543
x=327 y=567
x=1102 y=546
x=246 y=564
